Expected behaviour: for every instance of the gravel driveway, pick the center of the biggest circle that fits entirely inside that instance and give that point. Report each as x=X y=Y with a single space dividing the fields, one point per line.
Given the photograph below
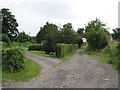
x=81 y=71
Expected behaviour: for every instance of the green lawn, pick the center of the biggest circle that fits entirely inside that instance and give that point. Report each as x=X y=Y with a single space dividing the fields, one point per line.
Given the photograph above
x=103 y=53
x=0 y=75
x=42 y=53
x=94 y=53
x=68 y=56
x=31 y=70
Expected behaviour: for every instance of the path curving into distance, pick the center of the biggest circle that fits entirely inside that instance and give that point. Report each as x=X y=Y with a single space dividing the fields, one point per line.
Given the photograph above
x=81 y=71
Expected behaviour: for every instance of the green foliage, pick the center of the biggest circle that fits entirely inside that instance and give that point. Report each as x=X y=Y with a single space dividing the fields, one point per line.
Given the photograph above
x=31 y=70
x=42 y=53
x=33 y=39
x=80 y=42
x=64 y=49
x=49 y=45
x=58 y=35
x=47 y=30
x=13 y=59
x=80 y=30
x=68 y=56
x=9 y=24
x=48 y=37
x=4 y=38
x=36 y=47
x=118 y=59
x=67 y=34
x=111 y=54
x=4 y=45
x=115 y=56
x=22 y=37
x=116 y=34
x=97 y=35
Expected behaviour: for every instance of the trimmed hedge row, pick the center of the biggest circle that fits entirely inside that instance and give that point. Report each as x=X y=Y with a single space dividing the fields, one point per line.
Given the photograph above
x=13 y=59
x=64 y=49
x=35 y=47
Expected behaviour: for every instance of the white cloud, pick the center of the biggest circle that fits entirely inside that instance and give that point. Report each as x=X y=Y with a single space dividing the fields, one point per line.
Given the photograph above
x=31 y=14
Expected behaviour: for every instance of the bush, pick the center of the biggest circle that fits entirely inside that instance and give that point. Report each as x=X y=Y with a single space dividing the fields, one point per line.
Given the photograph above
x=64 y=49
x=13 y=59
x=48 y=46
x=97 y=36
x=22 y=37
x=118 y=53
x=4 y=38
x=3 y=45
x=97 y=40
x=115 y=56
x=34 y=47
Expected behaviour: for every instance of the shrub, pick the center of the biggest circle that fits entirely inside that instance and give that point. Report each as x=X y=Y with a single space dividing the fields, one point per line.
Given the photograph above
x=97 y=35
x=118 y=55
x=64 y=49
x=3 y=44
x=34 y=47
x=4 y=38
x=22 y=37
x=115 y=56
x=13 y=59
x=48 y=46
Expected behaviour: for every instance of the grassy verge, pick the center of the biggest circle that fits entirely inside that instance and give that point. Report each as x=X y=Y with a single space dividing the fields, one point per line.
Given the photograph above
x=42 y=53
x=0 y=76
x=94 y=53
x=68 y=56
x=105 y=53
x=31 y=70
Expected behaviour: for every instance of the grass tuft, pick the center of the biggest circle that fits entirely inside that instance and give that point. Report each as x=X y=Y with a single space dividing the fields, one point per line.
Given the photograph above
x=42 y=53
x=31 y=70
x=68 y=56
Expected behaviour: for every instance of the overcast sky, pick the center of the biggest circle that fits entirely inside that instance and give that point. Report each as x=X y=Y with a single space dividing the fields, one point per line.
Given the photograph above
x=32 y=14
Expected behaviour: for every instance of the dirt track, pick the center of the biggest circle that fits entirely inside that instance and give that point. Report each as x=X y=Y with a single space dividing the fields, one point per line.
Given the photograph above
x=81 y=71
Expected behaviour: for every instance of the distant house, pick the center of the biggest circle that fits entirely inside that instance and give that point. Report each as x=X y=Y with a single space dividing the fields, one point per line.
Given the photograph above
x=84 y=40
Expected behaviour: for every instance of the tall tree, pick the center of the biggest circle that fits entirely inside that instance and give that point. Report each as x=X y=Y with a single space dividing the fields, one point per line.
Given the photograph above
x=48 y=29
x=96 y=34
x=80 y=34
x=67 y=33
x=48 y=36
x=80 y=30
x=9 y=24
x=22 y=37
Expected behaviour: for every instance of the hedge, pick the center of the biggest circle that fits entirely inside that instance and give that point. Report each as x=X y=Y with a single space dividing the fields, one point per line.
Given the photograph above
x=64 y=49
x=13 y=59
x=4 y=38
x=34 y=47
x=115 y=56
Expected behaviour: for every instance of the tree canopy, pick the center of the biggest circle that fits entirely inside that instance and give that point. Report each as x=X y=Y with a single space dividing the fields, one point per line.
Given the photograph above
x=9 y=24
x=116 y=34
x=96 y=34
x=22 y=37
x=67 y=33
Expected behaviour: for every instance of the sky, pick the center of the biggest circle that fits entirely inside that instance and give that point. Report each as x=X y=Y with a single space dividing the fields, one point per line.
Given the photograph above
x=32 y=14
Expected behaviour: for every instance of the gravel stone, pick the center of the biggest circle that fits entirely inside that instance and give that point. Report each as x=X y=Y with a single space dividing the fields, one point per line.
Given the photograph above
x=81 y=71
